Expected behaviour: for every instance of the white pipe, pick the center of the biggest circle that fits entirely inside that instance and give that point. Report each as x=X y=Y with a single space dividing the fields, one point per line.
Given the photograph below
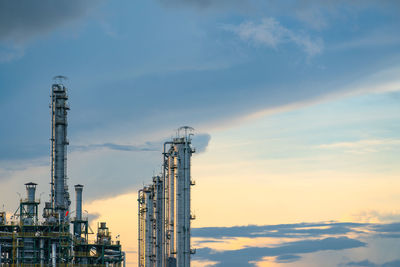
x=183 y=201
x=140 y=233
x=53 y=254
x=159 y=219
x=171 y=197
x=180 y=204
x=149 y=226
x=186 y=166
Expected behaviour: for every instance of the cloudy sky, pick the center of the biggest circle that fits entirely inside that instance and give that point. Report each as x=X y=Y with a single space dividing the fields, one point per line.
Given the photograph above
x=296 y=106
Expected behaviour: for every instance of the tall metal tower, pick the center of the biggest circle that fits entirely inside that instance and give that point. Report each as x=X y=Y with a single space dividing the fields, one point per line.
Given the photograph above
x=169 y=210
x=49 y=242
x=183 y=152
x=59 y=187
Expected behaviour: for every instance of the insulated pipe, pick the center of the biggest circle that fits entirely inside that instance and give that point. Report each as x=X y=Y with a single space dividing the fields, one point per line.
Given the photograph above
x=53 y=254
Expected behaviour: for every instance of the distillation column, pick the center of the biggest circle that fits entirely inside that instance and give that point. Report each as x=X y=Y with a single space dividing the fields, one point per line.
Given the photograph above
x=170 y=205
x=159 y=220
x=149 y=226
x=164 y=209
x=59 y=107
x=141 y=227
x=184 y=152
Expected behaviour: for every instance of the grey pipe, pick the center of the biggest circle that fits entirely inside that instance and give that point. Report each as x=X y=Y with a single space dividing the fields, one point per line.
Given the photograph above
x=53 y=254
x=41 y=252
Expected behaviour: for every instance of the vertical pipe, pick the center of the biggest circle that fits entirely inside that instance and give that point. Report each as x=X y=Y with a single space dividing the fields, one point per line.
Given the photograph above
x=187 y=155
x=41 y=252
x=1 y=256
x=78 y=210
x=18 y=243
x=140 y=235
x=184 y=151
x=171 y=175
x=159 y=220
x=166 y=198
x=180 y=224
x=78 y=202
x=166 y=208
x=53 y=255
x=149 y=226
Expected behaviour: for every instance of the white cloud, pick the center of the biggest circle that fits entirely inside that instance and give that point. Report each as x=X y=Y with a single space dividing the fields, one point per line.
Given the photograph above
x=269 y=32
x=374 y=216
x=10 y=53
x=362 y=146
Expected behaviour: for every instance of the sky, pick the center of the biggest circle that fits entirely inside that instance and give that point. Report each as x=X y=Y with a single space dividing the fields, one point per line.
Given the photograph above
x=296 y=106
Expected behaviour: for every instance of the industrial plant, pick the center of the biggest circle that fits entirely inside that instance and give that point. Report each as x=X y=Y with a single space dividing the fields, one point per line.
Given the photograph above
x=164 y=208
x=60 y=239
x=57 y=239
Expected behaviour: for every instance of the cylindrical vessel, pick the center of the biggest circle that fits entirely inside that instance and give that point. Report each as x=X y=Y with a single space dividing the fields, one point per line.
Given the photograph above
x=30 y=192
x=78 y=201
x=60 y=194
x=183 y=200
x=149 y=220
x=171 y=198
x=159 y=220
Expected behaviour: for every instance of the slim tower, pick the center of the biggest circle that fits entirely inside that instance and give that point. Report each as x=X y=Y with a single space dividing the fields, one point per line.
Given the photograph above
x=59 y=108
x=159 y=220
x=78 y=210
x=184 y=152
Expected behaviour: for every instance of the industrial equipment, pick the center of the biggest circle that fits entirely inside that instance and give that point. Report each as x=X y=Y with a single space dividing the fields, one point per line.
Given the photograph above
x=29 y=241
x=164 y=208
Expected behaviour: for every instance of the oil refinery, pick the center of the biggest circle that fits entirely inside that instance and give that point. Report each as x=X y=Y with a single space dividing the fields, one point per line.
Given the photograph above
x=57 y=239
x=164 y=213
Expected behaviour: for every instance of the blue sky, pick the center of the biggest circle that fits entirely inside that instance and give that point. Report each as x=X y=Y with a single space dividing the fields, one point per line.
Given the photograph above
x=296 y=97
